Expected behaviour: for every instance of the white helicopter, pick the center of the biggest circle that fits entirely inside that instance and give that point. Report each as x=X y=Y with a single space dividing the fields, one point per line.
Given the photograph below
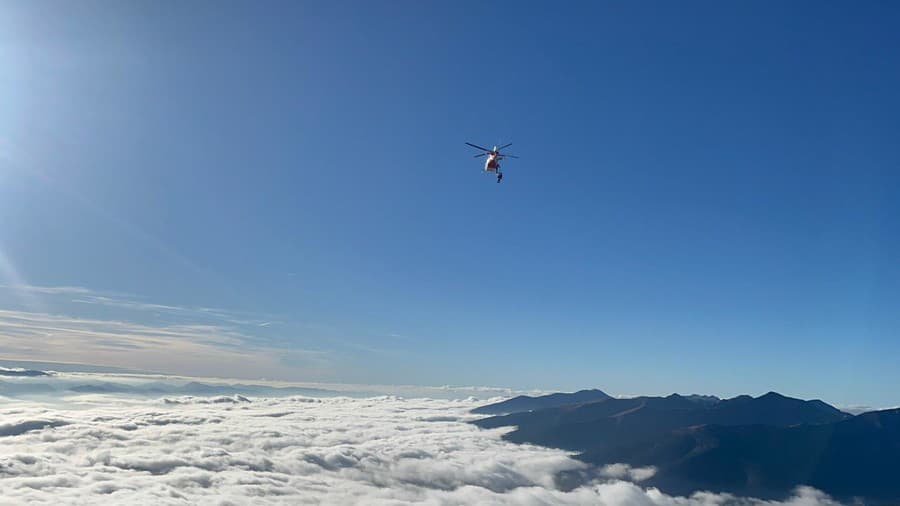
x=492 y=164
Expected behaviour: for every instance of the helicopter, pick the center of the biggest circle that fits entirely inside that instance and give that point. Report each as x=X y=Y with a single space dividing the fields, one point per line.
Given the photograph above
x=492 y=164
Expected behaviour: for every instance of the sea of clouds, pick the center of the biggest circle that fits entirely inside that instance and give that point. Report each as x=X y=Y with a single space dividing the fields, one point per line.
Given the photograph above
x=235 y=449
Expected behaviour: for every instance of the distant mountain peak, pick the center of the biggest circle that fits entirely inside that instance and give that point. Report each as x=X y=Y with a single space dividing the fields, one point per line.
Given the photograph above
x=703 y=399
x=19 y=371
x=523 y=403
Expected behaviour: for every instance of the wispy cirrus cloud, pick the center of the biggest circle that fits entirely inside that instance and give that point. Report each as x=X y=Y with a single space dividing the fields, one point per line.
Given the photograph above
x=187 y=311
x=83 y=295
x=49 y=290
x=99 y=326
x=198 y=349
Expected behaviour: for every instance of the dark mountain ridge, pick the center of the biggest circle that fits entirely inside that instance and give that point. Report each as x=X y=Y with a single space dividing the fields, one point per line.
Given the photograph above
x=527 y=403
x=757 y=446
x=617 y=421
x=852 y=458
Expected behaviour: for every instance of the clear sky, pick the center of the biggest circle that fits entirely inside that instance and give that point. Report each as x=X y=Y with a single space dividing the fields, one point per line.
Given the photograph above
x=706 y=200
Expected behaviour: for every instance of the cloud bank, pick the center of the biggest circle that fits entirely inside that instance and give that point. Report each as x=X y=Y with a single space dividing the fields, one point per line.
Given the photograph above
x=222 y=450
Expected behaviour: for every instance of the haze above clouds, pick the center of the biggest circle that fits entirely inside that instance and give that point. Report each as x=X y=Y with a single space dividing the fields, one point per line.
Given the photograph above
x=138 y=335
x=294 y=450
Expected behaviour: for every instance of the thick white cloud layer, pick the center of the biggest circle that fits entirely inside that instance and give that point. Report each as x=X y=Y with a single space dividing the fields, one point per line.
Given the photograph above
x=293 y=450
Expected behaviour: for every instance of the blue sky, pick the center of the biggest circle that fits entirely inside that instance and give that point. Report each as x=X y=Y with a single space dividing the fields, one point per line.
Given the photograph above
x=706 y=199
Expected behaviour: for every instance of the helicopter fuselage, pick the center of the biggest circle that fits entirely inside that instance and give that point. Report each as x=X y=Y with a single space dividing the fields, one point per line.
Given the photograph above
x=492 y=164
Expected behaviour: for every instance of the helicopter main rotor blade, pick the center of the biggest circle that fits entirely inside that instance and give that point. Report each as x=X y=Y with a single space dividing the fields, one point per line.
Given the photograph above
x=504 y=146
x=482 y=154
x=508 y=156
x=478 y=147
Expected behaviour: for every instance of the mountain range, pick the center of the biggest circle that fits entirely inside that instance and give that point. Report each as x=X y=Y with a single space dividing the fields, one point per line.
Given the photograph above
x=756 y=446
x=528 y=403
